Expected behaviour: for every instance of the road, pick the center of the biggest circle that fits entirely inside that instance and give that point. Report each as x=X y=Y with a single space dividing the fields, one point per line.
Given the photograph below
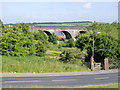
x=60 y=81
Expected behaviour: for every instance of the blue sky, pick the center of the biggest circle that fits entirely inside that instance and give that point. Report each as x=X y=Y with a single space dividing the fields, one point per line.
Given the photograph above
x=59 y=11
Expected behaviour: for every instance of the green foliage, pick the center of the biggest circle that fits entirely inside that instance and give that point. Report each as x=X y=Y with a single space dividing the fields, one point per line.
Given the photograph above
x=70 y=43
x=41 y=42
x=40 y=49
x=111 y=29
x=17 y=40
x=53 y=38
x=74 y=56
x=105 y=45
x=34 y=64
x=1 y=27
x=41 y=36
x=60 y=46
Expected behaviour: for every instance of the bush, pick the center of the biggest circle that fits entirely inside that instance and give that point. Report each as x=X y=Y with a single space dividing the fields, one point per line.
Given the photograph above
x=105 y=46
x=74 y=56
x=53 y=38
x=40 y=49
x=17 y=40
x=41 y=36
x=70 y=43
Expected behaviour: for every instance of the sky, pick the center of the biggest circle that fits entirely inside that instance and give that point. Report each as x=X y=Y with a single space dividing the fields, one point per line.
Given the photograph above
x=28 y=12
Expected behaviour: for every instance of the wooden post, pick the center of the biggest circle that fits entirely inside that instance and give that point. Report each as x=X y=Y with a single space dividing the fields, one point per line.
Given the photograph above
x=106 y=64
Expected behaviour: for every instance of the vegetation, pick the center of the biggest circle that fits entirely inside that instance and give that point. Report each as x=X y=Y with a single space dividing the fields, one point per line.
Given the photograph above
x=106 y=43
x=18 y=41
x=1 y=27
x=112 y=86
x=41 y=36
x=85 y=23
x=70 y=43
x=40 y=49
x=99 y=87
x=106 y=28
x=74 y=56
x=106 y=46
x=34 y=64
x=53 y=38
x=41 y=42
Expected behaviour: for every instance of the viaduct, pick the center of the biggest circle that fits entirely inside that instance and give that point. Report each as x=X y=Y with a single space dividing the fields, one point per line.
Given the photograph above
x=62 y=31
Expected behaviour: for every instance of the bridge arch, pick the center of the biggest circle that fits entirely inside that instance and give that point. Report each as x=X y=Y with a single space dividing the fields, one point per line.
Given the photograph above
x=82 y=32
x=67 y=34
x=47 y=32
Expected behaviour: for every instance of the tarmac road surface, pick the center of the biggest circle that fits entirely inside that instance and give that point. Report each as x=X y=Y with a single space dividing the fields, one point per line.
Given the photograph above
x=61 y=81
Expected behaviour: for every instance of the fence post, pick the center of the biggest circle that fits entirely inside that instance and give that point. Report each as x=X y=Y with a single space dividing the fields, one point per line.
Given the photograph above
x=106 y=64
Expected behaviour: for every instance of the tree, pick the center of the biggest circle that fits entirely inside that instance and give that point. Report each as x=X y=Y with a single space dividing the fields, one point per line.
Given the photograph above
x=53 y=38
x=41 y=41
x=105 y=45
x=1 y=27
x=111 y=29
x=41 y=36
x=40 y=49
x=70 y=43
x=17 y=40
x=74 y=56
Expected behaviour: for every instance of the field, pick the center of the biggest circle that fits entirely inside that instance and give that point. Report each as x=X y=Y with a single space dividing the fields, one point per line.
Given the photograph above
x=34 y=64
x=79 y=24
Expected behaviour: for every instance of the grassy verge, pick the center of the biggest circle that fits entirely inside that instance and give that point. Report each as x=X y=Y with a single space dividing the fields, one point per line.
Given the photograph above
x=30 y=64
x=104 y=86
x=95 y=86
x=113 y=86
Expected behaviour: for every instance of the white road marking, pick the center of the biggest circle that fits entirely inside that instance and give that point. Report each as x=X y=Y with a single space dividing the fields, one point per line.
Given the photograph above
x=102 y=78
x=22 y=81
x=63 y=80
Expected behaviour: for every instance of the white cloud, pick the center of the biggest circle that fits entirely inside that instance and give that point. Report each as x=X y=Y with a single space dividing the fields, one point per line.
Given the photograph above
x=87 y=6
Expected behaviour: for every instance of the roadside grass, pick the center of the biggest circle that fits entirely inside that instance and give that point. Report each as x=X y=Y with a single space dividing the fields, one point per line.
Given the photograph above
x=34 y=64
x=104 y=86
x=112 y=86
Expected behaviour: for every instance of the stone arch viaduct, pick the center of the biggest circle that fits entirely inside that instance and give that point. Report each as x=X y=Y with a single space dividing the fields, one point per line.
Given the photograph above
x=62 y=31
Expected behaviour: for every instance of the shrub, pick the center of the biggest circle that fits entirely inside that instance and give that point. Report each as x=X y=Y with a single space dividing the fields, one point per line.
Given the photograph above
x=70 y=43
x=53 y=38
x=40 y=49
x=17 y=40
x=41 y=36
x=105 y=46
x=74 y=56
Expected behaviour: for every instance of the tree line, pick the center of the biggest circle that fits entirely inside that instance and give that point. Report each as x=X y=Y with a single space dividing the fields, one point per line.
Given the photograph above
x=19 y=41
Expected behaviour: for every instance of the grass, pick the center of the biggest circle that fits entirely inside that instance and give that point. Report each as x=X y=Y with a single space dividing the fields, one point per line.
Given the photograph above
x=104 y=86
x=94 y=86
x=112 y=86
x=53 y=53
x=31 y=64
x=79 y=24
x=54 y=50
